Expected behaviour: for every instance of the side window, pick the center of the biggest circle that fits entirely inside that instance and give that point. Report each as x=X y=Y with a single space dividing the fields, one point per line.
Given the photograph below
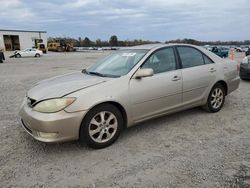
x=190 y=57
x=207 y=60
x=161 y=61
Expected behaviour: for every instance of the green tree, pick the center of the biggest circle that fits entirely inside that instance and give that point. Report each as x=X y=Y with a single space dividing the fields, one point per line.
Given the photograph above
x=113 y=41
x=79 y=41
x=86 y=42
x=98 y=43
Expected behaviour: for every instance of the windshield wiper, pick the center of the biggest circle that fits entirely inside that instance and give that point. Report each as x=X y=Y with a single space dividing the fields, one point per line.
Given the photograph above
x=94 y=73
x=97 y=74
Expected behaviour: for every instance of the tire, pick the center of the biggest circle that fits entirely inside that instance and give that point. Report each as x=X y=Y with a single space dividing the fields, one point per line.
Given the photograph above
x=215 y=99
x=37 y=55
x=104 y=133
x=18 y=56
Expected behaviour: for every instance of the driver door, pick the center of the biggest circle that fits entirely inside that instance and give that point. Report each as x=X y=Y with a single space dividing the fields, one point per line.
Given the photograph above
x=32 y=53
x=151 y=96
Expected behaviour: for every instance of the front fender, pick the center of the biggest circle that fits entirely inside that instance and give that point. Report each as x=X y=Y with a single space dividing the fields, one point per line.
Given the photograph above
x=113 y=91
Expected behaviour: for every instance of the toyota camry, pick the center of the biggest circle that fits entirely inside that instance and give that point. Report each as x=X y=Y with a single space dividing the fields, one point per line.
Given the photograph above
x=127 y=87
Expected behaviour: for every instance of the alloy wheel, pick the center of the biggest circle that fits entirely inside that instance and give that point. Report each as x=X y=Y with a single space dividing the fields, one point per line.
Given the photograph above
x=103 y=127
x=217 y=98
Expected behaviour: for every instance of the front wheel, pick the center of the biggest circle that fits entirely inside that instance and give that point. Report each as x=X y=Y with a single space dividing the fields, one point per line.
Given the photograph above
x=18 y=56
x=215 y=99
x=102 y=126
x=37 y=55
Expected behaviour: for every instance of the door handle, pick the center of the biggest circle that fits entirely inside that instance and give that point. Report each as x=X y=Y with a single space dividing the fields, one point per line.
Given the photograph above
x=212 y=70
x=176 y=78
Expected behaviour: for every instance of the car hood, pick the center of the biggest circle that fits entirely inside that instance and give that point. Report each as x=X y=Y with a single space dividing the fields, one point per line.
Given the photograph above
x=62 y=85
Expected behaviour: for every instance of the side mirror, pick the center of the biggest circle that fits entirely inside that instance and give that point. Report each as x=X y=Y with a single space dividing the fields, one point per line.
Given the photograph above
x=143 y=73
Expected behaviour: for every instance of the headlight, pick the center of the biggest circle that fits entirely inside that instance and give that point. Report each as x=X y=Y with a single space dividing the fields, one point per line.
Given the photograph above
x=245 y=60
x=53 y=105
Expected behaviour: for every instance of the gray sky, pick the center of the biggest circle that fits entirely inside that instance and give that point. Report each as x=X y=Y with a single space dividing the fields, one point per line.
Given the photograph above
x=131 y=19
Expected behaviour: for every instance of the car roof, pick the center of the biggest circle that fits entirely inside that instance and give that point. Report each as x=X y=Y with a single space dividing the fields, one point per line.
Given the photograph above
x=144 y=46
x=152 y=46
x=28 y=48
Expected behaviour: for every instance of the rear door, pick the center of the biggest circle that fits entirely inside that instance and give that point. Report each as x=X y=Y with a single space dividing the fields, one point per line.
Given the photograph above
x=198 y=72
x=161 y=92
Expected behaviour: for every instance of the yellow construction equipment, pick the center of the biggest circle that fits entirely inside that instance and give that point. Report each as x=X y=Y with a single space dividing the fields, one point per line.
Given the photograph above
x=60 y=46
x=40 y=45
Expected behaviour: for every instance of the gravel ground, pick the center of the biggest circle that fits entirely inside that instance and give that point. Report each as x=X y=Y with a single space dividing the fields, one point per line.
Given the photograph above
x=187 y=149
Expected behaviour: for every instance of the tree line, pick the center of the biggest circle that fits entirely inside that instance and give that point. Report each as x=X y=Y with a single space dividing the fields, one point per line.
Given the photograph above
x=202 y=43
x=113 y=41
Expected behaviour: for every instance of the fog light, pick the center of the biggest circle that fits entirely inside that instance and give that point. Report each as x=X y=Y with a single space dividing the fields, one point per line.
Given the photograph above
x=47 y=135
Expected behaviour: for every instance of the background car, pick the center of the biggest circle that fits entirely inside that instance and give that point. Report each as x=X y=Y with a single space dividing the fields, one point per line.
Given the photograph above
x=238 y=49
x=28 y=52
x=248 y=52
x=245 y=48
x=129 y=86
x=245 y=68
x=220 y=51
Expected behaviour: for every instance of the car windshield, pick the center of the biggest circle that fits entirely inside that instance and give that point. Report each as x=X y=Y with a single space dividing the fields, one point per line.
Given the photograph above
x=117 y=64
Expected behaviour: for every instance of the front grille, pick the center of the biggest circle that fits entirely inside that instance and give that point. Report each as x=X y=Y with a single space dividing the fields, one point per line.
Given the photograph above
x=31 y=102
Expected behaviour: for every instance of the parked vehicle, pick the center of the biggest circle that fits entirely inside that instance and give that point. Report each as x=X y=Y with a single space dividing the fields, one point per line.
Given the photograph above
x=222 y=52
x=248 y=52
x=238 y=49
x=245 y=68
x=208 y=47
x=127 y=87
x=42 y=48
x=28 y=52
x=61 y=46
x=245 y=49
x=40 y=45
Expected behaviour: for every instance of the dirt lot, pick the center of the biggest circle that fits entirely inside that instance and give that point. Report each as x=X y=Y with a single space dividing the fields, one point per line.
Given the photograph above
x=187 y=149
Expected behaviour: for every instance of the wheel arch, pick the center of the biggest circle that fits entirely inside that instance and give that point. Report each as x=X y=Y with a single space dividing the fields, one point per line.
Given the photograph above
x=224 y=84
x=117 y=105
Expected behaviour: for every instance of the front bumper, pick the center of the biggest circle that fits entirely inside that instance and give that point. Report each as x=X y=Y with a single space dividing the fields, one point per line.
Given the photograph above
x=245 y=71
x=51 y=127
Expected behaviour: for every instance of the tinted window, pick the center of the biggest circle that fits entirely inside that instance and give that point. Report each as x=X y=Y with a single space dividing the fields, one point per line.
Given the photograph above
x=161 y=61
x=207 y=60
x=190 y=57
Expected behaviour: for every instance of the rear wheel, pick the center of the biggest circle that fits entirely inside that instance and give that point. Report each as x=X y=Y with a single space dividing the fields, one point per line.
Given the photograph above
x=215 y=99
x=101 y=127
x=37 y=55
